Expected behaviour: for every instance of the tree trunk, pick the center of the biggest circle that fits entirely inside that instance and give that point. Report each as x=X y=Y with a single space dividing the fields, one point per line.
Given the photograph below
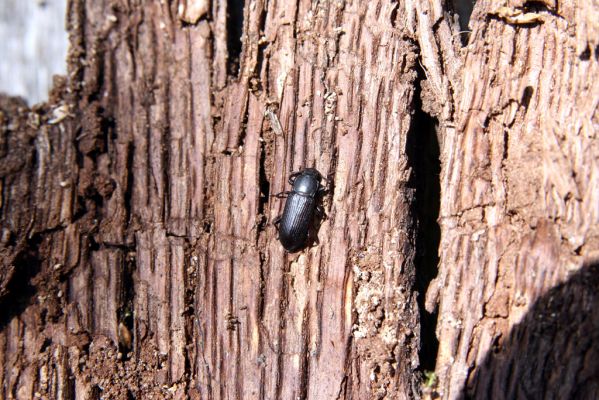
x=139 y=258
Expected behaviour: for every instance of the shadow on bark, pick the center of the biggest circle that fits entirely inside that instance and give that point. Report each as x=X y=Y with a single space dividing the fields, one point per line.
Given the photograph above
x=552 y=353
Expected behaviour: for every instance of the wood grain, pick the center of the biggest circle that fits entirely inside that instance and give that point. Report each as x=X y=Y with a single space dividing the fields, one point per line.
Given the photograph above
x=519 y=198
x=138 y=258
x=166 y=214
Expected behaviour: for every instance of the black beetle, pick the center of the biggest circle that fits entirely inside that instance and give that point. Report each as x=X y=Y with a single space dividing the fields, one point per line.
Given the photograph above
x=302 y=202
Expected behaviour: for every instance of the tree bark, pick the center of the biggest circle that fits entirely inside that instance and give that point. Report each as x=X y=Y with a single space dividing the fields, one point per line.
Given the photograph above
x=155 y=268
x=519 y=216
x=138 y=255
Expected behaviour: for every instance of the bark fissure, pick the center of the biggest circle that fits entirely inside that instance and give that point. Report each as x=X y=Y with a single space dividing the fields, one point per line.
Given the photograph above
x=235 y=32
x=423 y=154
x=18 y=289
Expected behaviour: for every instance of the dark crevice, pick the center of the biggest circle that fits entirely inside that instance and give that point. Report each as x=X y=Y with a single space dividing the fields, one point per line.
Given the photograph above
x=239 y=384
x=76 y=21
x=586 y=54
x=260 y=317
x=107 y=129
x=423 y=156
x=280 y=332
x=506 y=143
x=463 y=9
x=93 y=90
x=165 y=157
x=264 y=185
x=96 y=392
x=208 y=190
x=243 y=128
x=45 y=345
x=20 y=290
x=235 y=9
x=171 y=234
x=128 y=191
x=304 y=367
x=261 y=48
x=189 y=311
x=114 y=245
x=538 y=6
x=125 y=312
x=526 y=96
x=92 y=244
x=393 y=16
x=70 y=389
x=346 y=381
x=261 y=303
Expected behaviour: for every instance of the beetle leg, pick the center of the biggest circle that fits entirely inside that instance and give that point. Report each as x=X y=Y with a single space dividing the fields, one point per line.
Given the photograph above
x=320 y=214
x=315 y=241
x=329 y=185
x=293 y=176
x=281 y=195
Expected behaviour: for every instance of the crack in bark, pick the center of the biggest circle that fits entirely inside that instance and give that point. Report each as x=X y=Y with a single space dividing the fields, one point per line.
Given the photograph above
x=235 y=21
x=423 y=154
x=19 y=289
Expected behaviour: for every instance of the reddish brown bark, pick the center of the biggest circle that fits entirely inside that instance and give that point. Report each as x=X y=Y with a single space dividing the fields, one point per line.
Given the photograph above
x=157 y=271
x=138 y=255
x=519 y=207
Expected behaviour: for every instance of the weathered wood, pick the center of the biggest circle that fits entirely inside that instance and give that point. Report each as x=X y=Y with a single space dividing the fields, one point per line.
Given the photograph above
x=519 y=203
x=138 y=255
x=157 y=270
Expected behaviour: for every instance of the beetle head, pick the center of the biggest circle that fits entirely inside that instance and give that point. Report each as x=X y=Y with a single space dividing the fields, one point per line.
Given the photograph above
x=308 y=182
x=312 y=172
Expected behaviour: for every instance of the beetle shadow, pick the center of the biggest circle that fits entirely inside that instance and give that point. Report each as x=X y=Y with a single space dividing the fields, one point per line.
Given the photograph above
x=312 y=240
x=320 y=216
x=552 y=353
